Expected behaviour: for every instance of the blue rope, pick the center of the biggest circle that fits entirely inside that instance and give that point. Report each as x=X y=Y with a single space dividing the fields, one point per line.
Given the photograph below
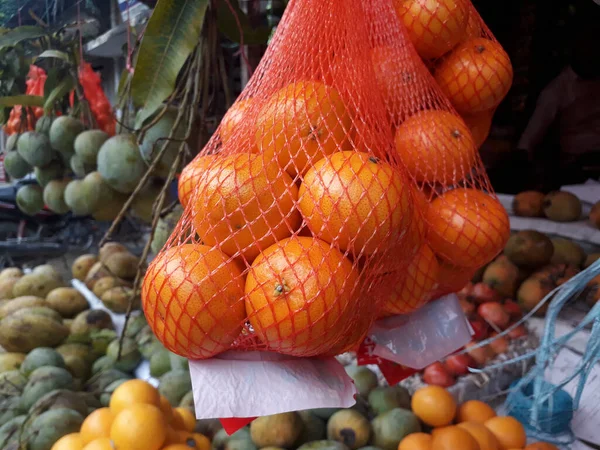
x=545 y=408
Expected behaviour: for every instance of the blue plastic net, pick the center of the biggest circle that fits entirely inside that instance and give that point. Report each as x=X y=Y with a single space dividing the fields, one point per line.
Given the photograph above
x=545 y=408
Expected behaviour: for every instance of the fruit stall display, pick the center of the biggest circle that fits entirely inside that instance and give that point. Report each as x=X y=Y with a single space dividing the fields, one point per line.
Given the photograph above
x=45 y=408
x=312 y=212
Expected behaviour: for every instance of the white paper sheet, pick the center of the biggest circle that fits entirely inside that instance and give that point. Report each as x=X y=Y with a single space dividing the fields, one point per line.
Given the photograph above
x=253 y=384
x=423 y=337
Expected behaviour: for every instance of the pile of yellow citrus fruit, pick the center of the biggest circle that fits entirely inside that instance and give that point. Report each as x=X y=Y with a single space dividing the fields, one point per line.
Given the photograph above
x=137 y=418
x=472 y=425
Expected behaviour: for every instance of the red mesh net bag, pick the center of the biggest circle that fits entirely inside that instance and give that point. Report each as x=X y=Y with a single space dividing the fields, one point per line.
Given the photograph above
x=328 y=196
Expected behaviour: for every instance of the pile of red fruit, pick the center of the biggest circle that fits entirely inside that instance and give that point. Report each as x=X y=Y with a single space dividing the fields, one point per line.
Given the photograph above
x=488 y=314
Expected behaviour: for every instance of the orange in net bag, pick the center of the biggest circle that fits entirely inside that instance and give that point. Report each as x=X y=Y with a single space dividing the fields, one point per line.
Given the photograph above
x=464 y=225
x=442 y=74
x=470 y=66
x=293 y=208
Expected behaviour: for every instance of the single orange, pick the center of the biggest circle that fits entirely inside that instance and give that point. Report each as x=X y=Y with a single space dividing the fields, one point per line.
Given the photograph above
x=166 y=408
x=409 y=289
x=175 y=436
x=453 y=438
x=473 y=29
x=178 y=447
x=184 y=419
x=244 y=204
x=398 y=81
x=479 y=124
x=467 y=227
x=129 y=393
x=298 y=293
x=234 y=118
x=416 y=441
x=483 y=436
x=188 y=180
x=508 y=430
x=356 y=202
x=434 y=405
x=474 y=411
x=434 y=26
x=139 y=427
x=202 y=442
x=71 y=441
x=192 y=297
x=541 y=446
x=97 y=425
x=436 y=147
x=195 y=441
x=452 y=278
x=416 y=233
x=476 y=76
x=100 y=444
x=301 y=123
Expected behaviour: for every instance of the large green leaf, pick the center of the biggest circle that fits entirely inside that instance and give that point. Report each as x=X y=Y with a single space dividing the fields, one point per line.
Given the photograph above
x=170 y=37
x=23 y=100
x=230 y=27
x=16 y=35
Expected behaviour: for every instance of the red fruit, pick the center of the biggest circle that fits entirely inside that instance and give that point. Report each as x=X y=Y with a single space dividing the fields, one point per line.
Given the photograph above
x=480 y=355
x=458 y=364
x=499 y=345
x=482 y=293
x=467 y=307
x=494 y=314
x=480 y=329
x=437 y=375
x=513 y=309
x=518 y=332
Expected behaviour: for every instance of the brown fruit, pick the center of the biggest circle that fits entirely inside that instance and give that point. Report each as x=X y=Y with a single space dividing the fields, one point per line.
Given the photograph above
x=110 y=248
x=97 y=272
x=561 y=206
x=529 y=204
x=6 y=288
x=567 y=252
x=82 y=265
x=122 y=264
x=106 y=283
x=68 y=302
x=532 y=291
x=502 y=276
x=26 y=301
x=591 y=259
x=529 y=248
x=592 y=291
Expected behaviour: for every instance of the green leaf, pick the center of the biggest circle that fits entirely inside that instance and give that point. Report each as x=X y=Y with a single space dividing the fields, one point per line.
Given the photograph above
x=66 y=85
x=171 y=35
x=54 y=54
x=16 y=35
x=228 y=25
x=23 y=100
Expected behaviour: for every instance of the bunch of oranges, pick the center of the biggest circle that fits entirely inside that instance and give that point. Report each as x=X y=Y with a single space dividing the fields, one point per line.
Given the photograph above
x=305 y=220
x=137 y=418
x=470 y=426
x=472 y=70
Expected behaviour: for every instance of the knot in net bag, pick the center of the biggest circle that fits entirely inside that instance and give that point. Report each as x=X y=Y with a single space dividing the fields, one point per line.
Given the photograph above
x=305 y=219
